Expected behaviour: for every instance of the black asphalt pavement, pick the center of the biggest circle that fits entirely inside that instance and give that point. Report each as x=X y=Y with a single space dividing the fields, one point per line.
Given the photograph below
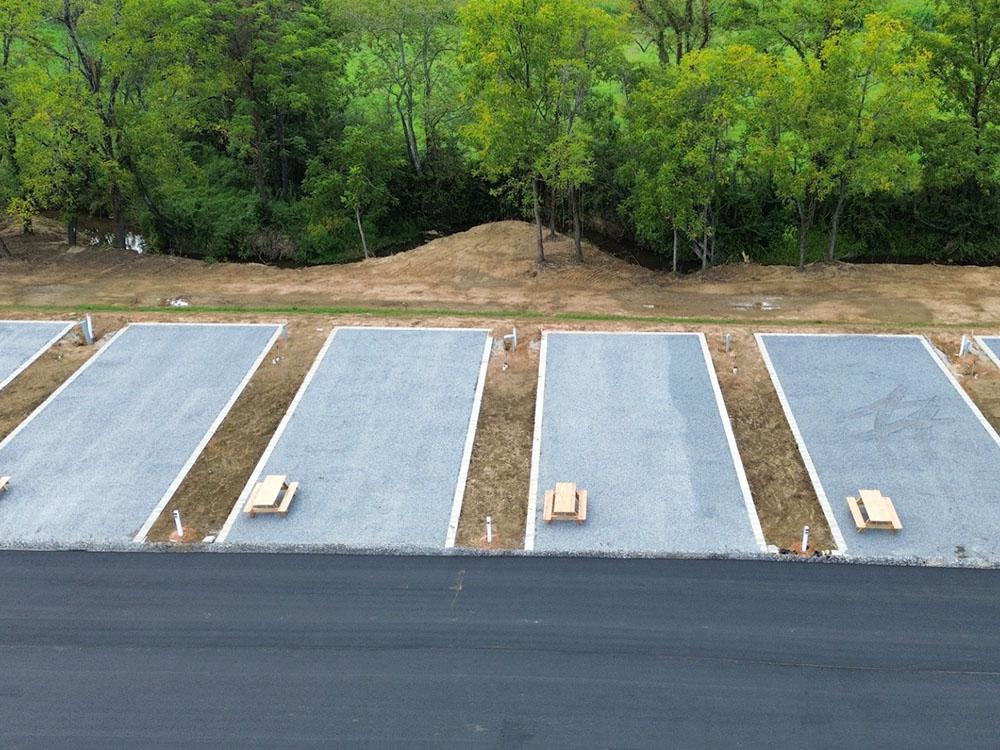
x=216 y=650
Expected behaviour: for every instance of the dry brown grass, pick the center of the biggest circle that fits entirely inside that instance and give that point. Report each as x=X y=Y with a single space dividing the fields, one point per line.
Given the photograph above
x=779 y=482
x=501 y=457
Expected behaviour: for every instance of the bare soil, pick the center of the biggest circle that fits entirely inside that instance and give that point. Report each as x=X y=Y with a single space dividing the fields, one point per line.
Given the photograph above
x=492 y=268
x=500 y=469
x=778 y=479
x=489 y=272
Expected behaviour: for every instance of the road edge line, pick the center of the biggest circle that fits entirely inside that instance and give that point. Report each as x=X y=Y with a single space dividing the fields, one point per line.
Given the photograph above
x=536 y=448
x=470 y=440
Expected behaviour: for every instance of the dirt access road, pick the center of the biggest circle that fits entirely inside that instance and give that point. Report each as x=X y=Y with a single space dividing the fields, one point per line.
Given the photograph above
x=488 y=277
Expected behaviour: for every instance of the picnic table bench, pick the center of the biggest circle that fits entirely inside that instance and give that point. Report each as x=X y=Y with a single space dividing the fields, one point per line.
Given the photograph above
x=273 y=495
x=565 y=503
x=872 y=510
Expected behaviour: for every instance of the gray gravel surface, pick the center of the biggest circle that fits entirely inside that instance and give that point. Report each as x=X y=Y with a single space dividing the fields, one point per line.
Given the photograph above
x=993 y=344
x=95 y=461
x=22 y=340
x=877 y=412
x=376 y=441
x=633 y=420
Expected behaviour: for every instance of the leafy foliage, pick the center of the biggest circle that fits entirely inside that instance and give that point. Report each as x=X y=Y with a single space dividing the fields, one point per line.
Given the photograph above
x=327 y=130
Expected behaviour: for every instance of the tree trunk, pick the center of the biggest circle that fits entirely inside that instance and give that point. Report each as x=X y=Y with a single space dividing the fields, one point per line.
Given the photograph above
x=259 y=163
x=806 y=214
x=71 y=225
x=552 y=214
x=538 y=219
x=411 y=139
x=4 y=250
x=361 y=231
x=286 y=183
x=835 y=223
x=164 y=226
x=118 y=207
x=406 y=108
x=10 y=138
x=662 y=48
x=673 y=265
x=704 y=237
x=574 y=207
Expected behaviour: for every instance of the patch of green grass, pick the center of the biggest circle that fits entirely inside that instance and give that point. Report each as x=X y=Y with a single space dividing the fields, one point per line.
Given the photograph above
x=532 y=315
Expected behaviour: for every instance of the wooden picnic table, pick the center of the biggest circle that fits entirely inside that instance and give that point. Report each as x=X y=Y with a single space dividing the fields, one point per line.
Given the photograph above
x=4 y=483
x=565 y=503
x=872 y=510
x=273 y=495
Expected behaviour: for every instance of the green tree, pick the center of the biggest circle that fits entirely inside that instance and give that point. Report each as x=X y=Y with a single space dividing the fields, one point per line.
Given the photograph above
x=60 y=168
x=286 y=65
x=354 y=174
x=16 y=19
x=848 y=122
x=965 y=45
x=117 y=66
x=675 y=27
x=533 y=64
x=688 y=135
x=786 y=141
x=412 y=50
x=800 y=26
x=875 y=100
x=568 y=165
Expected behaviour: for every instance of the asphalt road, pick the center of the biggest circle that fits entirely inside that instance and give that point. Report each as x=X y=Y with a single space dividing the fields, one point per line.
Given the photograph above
x=145 y=649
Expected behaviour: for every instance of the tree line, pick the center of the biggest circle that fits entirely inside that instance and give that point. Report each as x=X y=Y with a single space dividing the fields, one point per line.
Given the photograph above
x=325 y=130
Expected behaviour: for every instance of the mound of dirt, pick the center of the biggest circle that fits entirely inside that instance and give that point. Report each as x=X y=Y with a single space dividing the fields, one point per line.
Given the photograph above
x=492 y=253
x=493 y=268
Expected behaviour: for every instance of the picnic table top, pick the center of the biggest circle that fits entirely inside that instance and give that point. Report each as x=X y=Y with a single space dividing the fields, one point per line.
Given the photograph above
x=878 y=507
x=565 y=499
x=270 y=488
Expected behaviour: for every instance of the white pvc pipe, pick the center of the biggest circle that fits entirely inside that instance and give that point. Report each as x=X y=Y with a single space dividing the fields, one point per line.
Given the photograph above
x=489 y=529
x=805 y=538
x=88 y=329
x=177 y=523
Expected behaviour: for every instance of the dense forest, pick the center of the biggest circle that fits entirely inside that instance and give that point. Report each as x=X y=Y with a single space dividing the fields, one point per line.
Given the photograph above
x=325 y=130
